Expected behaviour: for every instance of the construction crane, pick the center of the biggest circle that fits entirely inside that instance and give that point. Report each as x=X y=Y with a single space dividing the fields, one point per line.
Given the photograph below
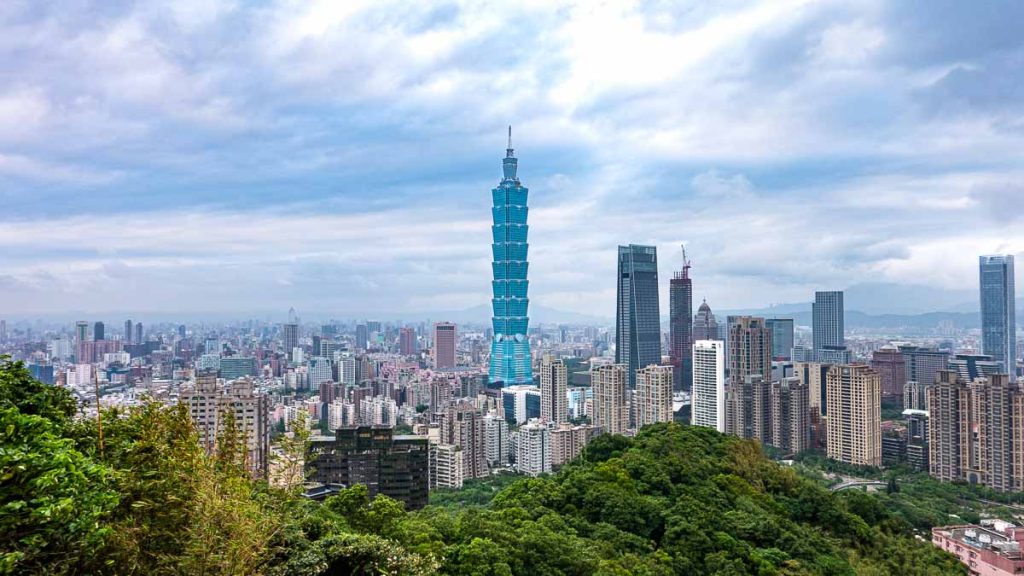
x=686 y=263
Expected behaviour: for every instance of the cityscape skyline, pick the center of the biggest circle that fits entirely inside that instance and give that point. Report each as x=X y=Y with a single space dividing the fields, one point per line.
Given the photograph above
x=142 y=172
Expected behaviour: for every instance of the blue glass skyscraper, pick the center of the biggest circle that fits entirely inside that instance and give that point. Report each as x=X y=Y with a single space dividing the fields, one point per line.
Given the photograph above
x=510 y=349
x=998 y=314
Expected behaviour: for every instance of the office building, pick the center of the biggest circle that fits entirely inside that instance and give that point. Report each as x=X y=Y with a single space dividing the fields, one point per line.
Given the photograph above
x=128 y=331
x=510 y=345
x=235 y=367
x=138 y=333
x=208 y=402
x=705 y=325
x=973 y=366
x=407 y=342
x=854 y=414
x=362 y=337
x=653 y=395
x=568 y=441
x=444 y=345
x=923 y=364
x=289 y=337
x=520 y=402
x=680 y=304
x=463 y=425
x=610 y=408
x=637 y=316
x=998 y=310
x=828 y=327
x=81 y=337
x=98 y=332
x=708 y=400
x=395 y=466
x=782 y=337
x=889 y=363
x=533 y=449
x=445 y=469
x=553 y=384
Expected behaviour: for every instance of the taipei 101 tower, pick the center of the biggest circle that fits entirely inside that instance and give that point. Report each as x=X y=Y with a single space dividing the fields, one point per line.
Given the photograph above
x=510 y=349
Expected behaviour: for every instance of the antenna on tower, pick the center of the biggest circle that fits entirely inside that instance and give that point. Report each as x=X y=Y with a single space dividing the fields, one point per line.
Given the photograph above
x=509 y=136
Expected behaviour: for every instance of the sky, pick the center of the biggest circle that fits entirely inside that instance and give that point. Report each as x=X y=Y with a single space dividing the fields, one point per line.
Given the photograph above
x=337 y=157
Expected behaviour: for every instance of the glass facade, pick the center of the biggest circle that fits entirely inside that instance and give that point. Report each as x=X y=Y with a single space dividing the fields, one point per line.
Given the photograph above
x=510 y=346
x=637 y=318
x=998 y=317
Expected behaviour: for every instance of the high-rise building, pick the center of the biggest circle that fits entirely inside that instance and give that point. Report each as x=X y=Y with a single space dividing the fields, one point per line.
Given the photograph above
x=790 y=416
x=750 y=348
x=81 y=337
x=533 y=449
x=976 y=431
x=362 y=337
x=708 y=401
x=854 y=415
x=446 y=464
x=98 y=332
x=680 y=304
x=889 y=363
x=496 y=430
x=395 y=466
x=553 y=384
x=407 y=341
x=610 y=408
x=319 y=370
x=521 y=402
x=782 y=337
x=444 y=345
x=463 y=425
x=138 y=333
x=827 y=325
x=915 y=395
x=998 y=314
x=637 y=316
x=972 y=366
x=510 y=344
x=653 y=396
x=208 y=402
x=289 y=337
x=705 y=326
x=128 y=331
x=235 y=367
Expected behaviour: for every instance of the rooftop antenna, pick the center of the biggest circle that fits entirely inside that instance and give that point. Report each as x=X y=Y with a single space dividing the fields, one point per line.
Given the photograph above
x=508 y=150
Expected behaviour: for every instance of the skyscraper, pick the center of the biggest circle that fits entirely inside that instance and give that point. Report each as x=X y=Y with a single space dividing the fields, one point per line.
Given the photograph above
x=138 y=333
x=553 y=383
x=362 y=337
x=854 y=415
x=533 y=449
x=407 y=341
x=680 y=303
x=510 y=346
x=827 y=324
x=782 y=337
x=98 y=332
x=998 y=317
x=708 y=404
x=705 y=326
x=444 y=345
x=289 y=337
x=463 y=425
x=637 y=317
x=128 y=331
x=81 y=337
x=890 y=364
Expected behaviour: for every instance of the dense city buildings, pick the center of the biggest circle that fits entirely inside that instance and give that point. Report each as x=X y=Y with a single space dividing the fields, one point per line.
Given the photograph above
x=446 y=466
x=750 y=377
x=510 y=361
x=462 y=425
x=854 y=414
x=998 y=310
x=637 y=315
x=553 y=385
x=568 y=441
x=445 y=342
x=610 y=409
x=533 y=449
x=923 y=364
x=708 y=404
x=653 y=395
x=680 y=298
x=396 y=466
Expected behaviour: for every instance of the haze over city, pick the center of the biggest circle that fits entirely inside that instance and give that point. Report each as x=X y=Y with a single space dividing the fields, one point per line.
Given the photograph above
x=338 y=156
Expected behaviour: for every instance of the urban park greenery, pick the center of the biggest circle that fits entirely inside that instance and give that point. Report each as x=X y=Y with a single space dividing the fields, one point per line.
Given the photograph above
x=673 y=500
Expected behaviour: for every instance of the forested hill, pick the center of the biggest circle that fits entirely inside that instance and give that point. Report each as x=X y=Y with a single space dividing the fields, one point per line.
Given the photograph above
x=674 y=500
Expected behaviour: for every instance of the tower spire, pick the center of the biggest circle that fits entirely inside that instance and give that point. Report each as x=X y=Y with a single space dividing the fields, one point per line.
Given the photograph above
x=508 y=150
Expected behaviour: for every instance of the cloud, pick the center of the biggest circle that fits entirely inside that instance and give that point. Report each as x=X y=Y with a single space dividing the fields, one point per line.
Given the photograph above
x=340 y=155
